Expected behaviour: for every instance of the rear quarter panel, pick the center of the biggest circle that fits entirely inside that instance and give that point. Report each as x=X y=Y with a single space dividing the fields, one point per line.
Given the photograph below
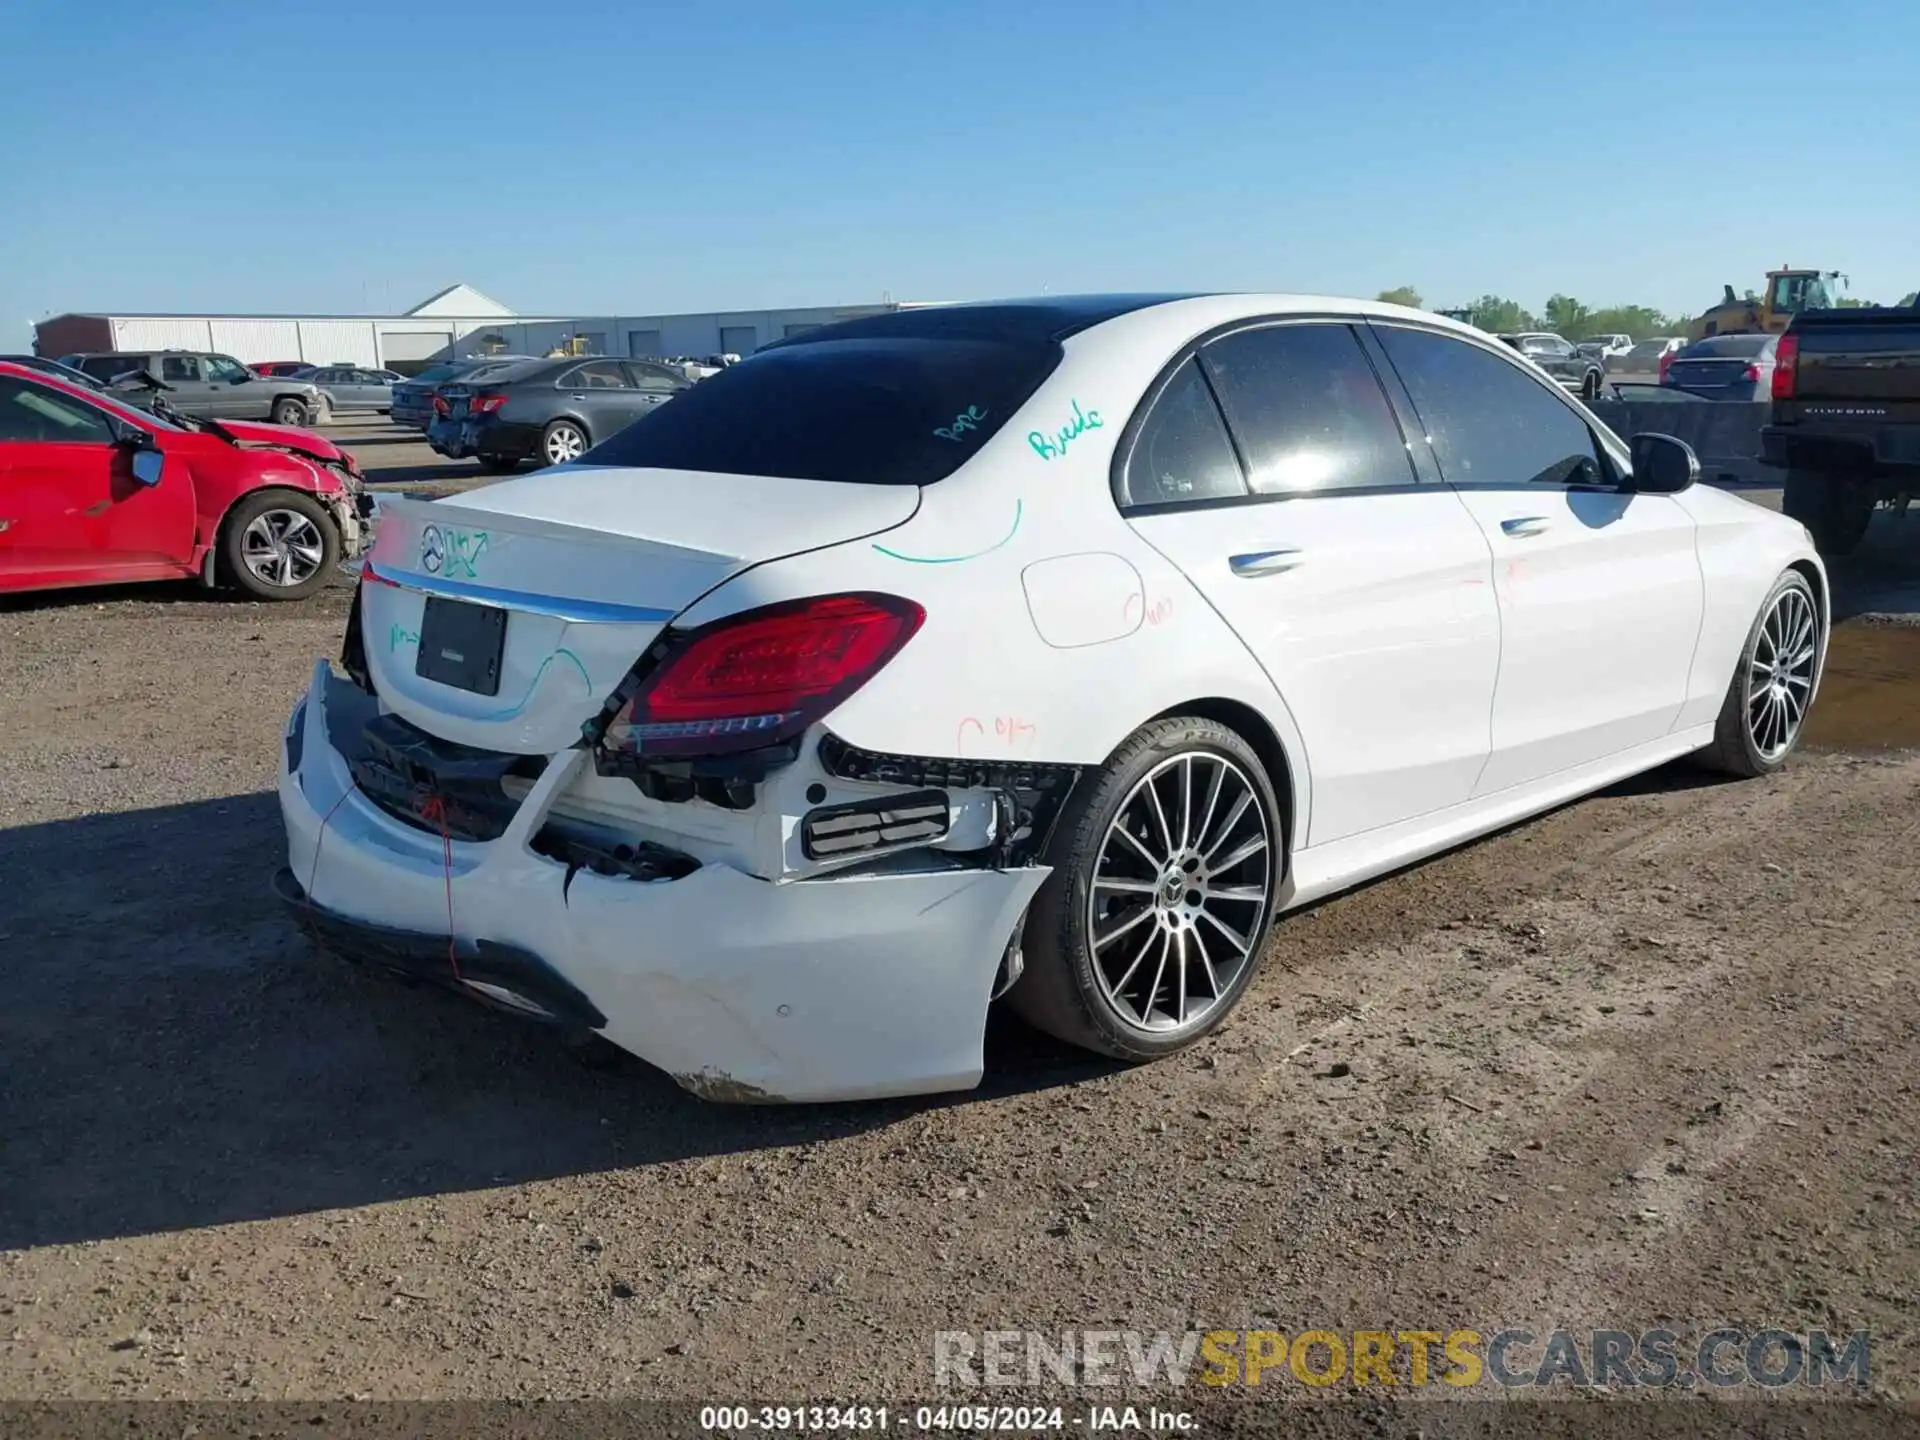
x=1052 y=630
x=1743 y=549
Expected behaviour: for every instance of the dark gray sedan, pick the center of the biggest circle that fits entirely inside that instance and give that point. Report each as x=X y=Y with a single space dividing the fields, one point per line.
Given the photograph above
x=551 y=411
x=1725 y=367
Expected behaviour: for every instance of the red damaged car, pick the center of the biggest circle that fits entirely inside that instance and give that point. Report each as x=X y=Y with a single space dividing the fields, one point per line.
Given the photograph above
x=96 y=489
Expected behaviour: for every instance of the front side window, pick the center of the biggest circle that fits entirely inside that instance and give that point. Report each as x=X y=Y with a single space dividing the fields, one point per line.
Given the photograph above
x=1183 y=452
x=221 y=368
x=870 y=410
x=1307 y=409
x=1489 y=421
x=35 y=413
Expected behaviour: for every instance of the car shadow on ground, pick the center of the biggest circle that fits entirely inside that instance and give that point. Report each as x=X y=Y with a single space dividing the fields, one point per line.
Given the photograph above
x=179 y=1054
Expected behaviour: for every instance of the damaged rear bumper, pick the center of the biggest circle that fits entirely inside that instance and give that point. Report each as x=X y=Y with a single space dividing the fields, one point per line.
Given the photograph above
x=842 y=987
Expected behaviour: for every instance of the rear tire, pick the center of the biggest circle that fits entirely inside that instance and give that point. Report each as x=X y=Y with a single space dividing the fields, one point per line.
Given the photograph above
x=562 y=441
x=289 y=412
x=1217 y=847
x=1590 y=388
x=1835 y=510
x=1772 y=687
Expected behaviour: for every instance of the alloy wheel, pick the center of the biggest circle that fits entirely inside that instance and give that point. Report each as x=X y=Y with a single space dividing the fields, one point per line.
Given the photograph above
x=283 y=548
x=1180 y=892
x=1780 y=673
x=564 y=443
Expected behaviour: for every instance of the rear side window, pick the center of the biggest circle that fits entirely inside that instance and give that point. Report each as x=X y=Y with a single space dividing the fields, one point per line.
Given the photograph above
x=1307 y=410
x=179 y=367
x=105 y=367
x=1183 y=453
x=1489 y=421
x=902 y=410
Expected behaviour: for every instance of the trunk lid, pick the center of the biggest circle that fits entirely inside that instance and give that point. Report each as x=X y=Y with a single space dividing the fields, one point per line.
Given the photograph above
x=1695 y=374
x=589 y=564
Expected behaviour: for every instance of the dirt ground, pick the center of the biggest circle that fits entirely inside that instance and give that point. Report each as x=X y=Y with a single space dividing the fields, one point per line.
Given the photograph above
x=1653 y=1058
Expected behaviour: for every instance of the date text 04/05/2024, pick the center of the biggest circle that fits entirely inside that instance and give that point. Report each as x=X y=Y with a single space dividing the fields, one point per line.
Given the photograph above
x=942 y=1419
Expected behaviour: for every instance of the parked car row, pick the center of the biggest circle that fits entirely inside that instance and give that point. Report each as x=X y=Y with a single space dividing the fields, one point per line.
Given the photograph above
x=210 y=386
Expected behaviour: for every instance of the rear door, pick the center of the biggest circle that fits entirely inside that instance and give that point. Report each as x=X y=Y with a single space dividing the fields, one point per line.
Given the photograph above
x=1599 y=589
x=1363 y=592
x=71 y=506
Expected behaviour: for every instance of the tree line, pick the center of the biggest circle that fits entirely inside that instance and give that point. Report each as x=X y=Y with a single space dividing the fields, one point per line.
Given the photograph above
x=1564 y=315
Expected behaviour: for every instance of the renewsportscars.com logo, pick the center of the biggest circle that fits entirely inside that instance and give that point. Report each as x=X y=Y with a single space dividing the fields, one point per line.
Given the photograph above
x=1513 y=1358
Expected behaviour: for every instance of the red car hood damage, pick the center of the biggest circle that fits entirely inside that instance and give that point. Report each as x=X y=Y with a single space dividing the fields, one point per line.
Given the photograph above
x=288 y=437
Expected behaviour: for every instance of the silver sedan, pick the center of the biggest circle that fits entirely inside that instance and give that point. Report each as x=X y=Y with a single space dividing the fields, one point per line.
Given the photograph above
x=350 y=388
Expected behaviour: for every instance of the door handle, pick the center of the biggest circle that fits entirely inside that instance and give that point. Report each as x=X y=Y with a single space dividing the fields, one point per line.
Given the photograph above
x=1264 y=562
x=1524 y=525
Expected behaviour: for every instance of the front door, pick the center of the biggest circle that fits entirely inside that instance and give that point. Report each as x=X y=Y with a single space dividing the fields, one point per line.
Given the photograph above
x=1364 y=594
x=189 y=391
x=73 y=509
x=605 y=398
x=1600 y=590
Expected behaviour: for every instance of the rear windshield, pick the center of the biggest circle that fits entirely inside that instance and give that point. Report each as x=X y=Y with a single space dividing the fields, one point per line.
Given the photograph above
x=1743 y=346
x=506 y=370
x=899 y=410
x=443 y=372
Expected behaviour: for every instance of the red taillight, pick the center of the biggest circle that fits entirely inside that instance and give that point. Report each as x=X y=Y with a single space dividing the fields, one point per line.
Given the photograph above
x=755 y=679
x=1751 y=373
x=1786 y=367
x=485 y=404
x=440 y=406
x=1665 y=361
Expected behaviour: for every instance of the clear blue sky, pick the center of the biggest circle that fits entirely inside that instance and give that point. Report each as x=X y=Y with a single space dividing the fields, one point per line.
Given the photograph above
x=601 y=156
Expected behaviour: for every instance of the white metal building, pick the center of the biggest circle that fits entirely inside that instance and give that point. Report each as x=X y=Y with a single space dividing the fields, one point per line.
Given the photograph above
x=457 y=322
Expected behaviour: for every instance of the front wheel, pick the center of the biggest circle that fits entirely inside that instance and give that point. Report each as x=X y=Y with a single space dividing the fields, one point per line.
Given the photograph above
x=279 y=545
x=563 y=441
x=1835 y=510
x=289 y=412
x=1772 y=687
x=1590 y=388
x=1166 y=865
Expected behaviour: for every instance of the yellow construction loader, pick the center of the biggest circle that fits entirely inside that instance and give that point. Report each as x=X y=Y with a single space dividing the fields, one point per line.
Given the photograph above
x=1788 y=292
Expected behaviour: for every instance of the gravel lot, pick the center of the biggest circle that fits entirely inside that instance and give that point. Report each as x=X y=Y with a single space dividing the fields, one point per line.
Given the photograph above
x=1654 y=1057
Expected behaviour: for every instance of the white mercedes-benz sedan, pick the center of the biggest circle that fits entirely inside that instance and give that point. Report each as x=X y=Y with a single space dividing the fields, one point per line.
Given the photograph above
x=1046 y=649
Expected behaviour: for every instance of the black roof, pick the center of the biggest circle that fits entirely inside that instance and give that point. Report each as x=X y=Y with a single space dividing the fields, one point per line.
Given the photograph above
x=1049 y=317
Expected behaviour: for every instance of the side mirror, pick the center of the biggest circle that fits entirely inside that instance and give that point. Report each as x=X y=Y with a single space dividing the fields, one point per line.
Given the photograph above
x=148 y=464
x=1662 y=465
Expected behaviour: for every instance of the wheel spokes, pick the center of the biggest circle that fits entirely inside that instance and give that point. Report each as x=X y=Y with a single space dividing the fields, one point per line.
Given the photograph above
x=1164 y=954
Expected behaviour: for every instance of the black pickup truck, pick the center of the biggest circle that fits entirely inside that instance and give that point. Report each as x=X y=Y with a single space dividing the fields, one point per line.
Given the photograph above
x=1845 y=424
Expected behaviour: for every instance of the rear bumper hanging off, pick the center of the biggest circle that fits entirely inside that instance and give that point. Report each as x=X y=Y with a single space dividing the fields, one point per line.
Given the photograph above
x=843 y=987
